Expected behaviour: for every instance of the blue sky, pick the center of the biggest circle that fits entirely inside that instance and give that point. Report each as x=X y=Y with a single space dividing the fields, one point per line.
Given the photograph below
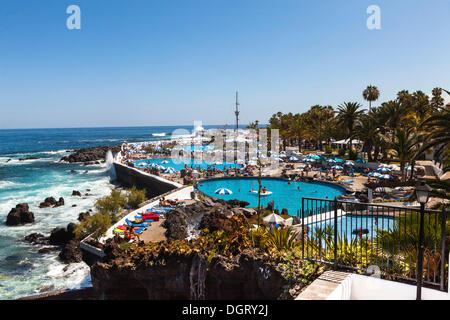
x=170 y=62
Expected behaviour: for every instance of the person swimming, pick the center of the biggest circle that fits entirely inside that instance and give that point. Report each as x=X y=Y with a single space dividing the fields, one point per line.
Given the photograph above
x=299 y=189
x=252 y=190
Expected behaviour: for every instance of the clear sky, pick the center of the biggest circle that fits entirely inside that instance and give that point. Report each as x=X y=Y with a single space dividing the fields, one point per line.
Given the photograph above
x=170 y=62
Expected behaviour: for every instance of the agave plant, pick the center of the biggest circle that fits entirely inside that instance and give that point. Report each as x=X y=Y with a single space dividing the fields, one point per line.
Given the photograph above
x=283 y=238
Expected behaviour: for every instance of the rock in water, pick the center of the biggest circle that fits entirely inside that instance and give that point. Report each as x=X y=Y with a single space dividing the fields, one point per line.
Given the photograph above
x=61 y=236
x=21 y=214
x=83 y=215
x=76 y=193
x=71 y=252
x=90 y=155
x=51 y=202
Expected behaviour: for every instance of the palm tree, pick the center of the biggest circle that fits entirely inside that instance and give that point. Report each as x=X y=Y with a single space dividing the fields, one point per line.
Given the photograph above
x=438 y=137
x=371 y=94
x=298 y=128
x=366 y=130
x=348 y=114
x=403 y=145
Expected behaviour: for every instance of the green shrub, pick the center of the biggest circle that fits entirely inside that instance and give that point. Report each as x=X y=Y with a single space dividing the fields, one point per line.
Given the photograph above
x=112 y=205
x=341 y=152
x=328 y=149
x=135 y=197
x=282 y=238
x=96 y=225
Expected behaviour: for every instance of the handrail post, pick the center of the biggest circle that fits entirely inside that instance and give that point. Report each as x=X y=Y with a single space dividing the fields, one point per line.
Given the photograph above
x=335 y=234
x=303 y=228
x=443 y=257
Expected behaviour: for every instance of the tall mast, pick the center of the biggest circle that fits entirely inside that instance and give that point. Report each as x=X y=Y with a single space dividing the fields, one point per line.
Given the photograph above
x=237 y=112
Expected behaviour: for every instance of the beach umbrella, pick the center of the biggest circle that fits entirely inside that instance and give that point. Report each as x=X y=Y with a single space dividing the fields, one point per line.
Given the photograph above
x=283 y=152
x=374 y=174
x=223 y=191
x=361 y=160
x=339 y=160
x=282 y=155
x=349 y=163
x=315 y=157
x=408 y=168
x=336 y=168
x=311 y=155
x=152 y=165
x=171 y=170
x=331 y=161
x=385 y=176
x=274 y=218
x=309 y=160
x=384 y=170
x=293 y=159
x=164 y=162
x=160 y=167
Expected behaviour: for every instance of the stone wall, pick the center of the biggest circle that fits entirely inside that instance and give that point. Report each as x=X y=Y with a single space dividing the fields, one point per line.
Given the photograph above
x=154 y=185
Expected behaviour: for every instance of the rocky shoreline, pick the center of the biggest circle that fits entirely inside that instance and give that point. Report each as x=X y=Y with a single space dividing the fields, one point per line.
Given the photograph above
x=90 y=155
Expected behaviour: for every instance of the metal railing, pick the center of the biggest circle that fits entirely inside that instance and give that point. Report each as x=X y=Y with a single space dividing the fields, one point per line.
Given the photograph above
x=375 y=237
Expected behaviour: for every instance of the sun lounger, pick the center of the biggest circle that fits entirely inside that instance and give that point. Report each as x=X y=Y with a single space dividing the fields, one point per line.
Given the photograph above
x=136 y=224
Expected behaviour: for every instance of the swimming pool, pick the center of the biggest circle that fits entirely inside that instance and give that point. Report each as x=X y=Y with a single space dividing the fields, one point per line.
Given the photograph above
x=179 y=164
x=348 y=223
x=285 y=193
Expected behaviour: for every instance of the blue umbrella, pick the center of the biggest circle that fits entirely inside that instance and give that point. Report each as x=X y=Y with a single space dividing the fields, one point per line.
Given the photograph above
x=331 y=161
x=308 y=160
x=160 y=167
x=384 y=170
x=349 y=163
x=338 y=160
x=336 y=168
x=374 y=174
x=293 y=159
x=408 y=168
x=385 y=176
x=171 y=170
x=361 y=160
x=164 y=162
x=223 y=191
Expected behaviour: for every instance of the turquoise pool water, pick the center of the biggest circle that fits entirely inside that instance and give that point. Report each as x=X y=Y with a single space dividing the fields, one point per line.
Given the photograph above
x=346 y=225
x=284 y=194
x=179 y=164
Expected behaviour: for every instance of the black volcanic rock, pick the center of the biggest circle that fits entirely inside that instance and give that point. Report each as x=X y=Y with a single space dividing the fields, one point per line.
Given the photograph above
x=90 y=155
x=51 y=202
x=83 y=215
x=71 y=252
x=238 y=203
x=21 y=214
x=61 y=236
x=76 y=193
x=28 y=158
x=36 y=238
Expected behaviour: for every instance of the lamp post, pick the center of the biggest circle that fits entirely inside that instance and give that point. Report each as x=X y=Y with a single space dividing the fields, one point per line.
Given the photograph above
x=422 y=194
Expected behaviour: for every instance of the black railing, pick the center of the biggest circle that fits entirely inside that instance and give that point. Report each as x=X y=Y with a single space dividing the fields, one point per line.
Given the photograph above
x=376 y=237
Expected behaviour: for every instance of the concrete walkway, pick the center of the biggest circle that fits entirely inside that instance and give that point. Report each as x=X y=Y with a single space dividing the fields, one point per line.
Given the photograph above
x=323 y=286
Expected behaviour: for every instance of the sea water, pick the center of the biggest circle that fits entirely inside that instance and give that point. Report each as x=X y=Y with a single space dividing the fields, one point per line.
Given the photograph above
x=24 y=271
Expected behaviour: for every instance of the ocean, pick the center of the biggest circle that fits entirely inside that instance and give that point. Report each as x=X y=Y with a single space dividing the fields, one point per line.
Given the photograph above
x=24 y=271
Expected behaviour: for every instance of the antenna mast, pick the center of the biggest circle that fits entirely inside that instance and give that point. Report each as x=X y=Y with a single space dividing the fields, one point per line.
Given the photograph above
x=237 y=112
